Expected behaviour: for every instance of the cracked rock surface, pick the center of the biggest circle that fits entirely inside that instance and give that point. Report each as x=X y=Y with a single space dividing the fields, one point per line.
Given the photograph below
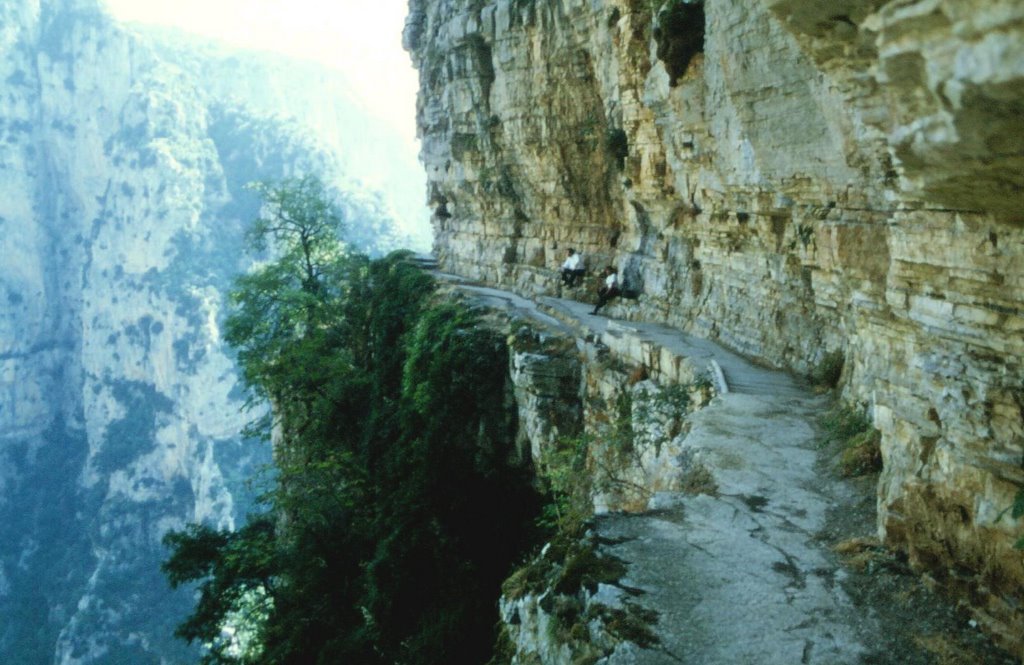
x=745 y=573
x=740 y=577
x=793 y=178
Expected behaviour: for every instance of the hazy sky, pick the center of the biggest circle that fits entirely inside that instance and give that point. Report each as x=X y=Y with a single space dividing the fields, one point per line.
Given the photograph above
x=363 y=38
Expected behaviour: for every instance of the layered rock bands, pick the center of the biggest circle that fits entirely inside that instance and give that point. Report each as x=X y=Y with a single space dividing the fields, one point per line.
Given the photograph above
x=795 y=179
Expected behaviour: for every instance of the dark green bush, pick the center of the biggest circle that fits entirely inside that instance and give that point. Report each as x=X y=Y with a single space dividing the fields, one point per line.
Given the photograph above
x=617 y=144
x=829 y=370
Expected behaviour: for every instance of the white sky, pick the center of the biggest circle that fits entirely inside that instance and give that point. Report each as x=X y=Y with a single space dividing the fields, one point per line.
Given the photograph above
x=362 y=38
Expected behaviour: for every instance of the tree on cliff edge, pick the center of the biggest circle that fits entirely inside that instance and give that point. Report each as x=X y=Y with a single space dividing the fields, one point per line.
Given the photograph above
x=295 y=296
x=396 y=513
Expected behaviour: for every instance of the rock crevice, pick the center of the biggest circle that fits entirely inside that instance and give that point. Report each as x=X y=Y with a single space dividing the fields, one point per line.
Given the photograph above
x=813 y=180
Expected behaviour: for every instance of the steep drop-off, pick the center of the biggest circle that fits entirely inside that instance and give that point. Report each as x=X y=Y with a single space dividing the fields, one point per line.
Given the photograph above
x=122 y=210
x=795 y=179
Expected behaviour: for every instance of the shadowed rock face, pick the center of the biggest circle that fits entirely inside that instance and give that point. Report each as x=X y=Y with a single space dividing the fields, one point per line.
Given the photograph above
x=815 y=177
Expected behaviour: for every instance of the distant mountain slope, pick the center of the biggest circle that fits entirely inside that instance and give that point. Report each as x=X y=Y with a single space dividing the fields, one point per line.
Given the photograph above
x=371 y=155
x=122 y=209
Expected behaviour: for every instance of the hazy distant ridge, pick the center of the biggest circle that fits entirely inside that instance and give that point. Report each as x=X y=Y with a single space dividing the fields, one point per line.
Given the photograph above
x=122 y=209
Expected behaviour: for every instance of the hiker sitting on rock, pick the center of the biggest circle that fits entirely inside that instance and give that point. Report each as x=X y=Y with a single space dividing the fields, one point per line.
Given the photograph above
x=609 y=289
x=572 y=268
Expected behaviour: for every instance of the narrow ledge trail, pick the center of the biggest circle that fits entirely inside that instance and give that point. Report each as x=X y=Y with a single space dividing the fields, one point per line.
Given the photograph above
x=747 y=575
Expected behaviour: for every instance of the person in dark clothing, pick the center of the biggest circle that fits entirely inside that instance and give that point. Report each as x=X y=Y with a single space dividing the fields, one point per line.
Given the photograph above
x=609 y=288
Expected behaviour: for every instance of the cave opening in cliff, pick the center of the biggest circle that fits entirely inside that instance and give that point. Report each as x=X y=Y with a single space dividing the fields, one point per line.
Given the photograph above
x=679 y=33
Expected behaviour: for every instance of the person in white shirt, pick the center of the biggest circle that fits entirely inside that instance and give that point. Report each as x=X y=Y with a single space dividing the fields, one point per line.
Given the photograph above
x=608 y=290
x=572 y=268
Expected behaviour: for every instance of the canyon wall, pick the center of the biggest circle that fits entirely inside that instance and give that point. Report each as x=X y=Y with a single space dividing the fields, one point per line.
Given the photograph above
x=795 y=179
x=122 y=216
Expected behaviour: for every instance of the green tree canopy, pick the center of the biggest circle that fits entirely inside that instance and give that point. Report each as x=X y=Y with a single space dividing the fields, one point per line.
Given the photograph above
x=295 y=295
x=396 y=511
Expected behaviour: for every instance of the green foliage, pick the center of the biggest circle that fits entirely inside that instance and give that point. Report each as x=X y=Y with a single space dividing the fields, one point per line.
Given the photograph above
x=862 y=454
x=297 y=296
x=859 y=442
x=617 y=144
x=232 y=566
x=568 y=566
x=562 y=469
x=571 y=562
x=697 y=479
x=842 y=423
x=674 y=398
x=396 y=513
x=631 y=622
x=584 y=568
x=828 y=372
x=621 y=436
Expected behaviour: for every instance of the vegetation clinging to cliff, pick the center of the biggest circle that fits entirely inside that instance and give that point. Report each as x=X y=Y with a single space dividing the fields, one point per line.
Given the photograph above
x=396 y=512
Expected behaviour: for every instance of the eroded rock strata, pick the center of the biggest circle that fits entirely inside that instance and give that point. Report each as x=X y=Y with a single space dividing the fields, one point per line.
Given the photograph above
x=791 y=178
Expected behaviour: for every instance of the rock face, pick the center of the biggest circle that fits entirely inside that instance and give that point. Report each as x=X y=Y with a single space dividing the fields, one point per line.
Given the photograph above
x=718 y=514
x=122 y=210
x=791 y=178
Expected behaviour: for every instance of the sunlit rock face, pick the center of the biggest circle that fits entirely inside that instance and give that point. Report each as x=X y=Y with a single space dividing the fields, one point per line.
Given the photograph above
x=789 y=177
x=122 y=210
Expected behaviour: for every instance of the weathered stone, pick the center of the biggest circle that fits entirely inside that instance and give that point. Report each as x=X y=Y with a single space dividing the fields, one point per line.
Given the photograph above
x=547 y=388
x=823 y=176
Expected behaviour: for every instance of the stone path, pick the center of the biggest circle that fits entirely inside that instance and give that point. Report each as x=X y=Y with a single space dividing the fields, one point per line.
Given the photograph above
x=743 y=577
x=739 y=577
x=740 y=375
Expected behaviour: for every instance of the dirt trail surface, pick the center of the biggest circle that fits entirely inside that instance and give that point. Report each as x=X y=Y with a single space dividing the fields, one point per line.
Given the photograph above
x=747 y=575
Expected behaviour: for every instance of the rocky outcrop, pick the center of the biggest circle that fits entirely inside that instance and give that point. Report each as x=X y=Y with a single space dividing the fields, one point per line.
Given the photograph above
x=792 y=178
x=622 y=397
x=122 y=211
x=696 y=526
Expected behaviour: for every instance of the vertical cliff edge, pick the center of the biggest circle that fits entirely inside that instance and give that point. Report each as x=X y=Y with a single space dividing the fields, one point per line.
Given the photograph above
x=122 y=215
x=801 y=181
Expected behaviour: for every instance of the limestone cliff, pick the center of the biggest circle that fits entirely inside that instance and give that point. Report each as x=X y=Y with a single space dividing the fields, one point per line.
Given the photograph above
x=795 y=179
x=122 y=210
